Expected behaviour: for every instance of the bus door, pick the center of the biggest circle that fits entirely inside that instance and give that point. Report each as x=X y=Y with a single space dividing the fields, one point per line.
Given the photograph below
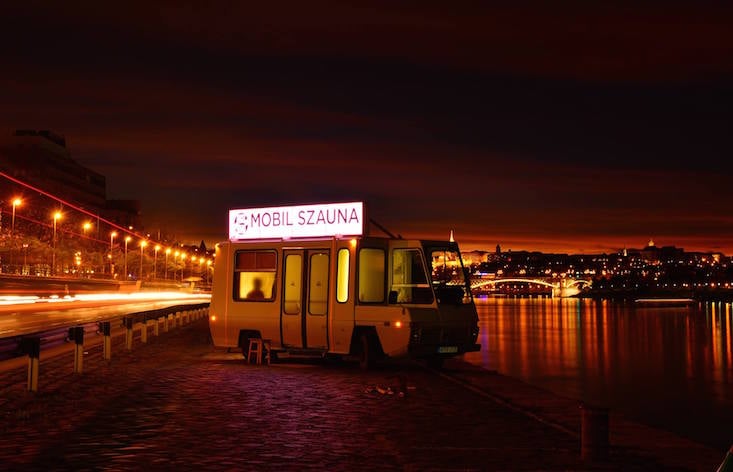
x=304 y=318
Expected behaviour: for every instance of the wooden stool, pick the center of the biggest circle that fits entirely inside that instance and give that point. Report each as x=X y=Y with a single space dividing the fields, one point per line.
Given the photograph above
x=256 y=348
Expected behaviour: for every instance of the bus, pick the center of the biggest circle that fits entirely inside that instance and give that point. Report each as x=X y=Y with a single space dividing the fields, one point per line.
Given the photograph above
x=312 y=281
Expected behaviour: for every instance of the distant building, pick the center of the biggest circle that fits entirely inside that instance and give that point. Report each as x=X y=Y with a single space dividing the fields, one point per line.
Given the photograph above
x=40 y=158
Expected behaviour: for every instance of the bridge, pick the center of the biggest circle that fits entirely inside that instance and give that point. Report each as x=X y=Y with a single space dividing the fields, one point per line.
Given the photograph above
x=564 y=287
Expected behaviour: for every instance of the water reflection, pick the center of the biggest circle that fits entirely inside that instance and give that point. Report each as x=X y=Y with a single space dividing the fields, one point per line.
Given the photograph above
x=667 y=366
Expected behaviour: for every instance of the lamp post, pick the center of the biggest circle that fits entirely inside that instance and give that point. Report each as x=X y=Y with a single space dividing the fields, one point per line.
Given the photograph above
x=56 y=217
x=193 y=261
x=167 y=251
x=127 y=240
x=143 y=243
x=84 y=227
x=16 y=202
x=155 y=262
x=175 y=263
x=112 y=237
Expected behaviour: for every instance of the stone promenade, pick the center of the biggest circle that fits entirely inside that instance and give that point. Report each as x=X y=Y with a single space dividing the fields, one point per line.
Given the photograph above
x=178 y=403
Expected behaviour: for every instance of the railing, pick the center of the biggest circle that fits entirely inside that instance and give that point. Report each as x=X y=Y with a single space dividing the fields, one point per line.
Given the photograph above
x=31 y=345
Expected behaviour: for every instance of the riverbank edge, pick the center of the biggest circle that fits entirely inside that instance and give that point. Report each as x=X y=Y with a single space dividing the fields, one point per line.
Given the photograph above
x=625 y=435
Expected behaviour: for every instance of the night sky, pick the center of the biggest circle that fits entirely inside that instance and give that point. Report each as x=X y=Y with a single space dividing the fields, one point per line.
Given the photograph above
x=580 y=128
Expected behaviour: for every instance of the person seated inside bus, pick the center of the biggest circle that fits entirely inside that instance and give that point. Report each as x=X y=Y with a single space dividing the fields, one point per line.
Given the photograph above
x=256 y=293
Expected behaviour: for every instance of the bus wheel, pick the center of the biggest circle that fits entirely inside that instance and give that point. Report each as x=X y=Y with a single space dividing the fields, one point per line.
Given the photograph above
x=366 y=358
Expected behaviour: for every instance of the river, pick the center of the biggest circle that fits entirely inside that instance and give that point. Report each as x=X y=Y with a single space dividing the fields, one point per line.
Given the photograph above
x=668 y=367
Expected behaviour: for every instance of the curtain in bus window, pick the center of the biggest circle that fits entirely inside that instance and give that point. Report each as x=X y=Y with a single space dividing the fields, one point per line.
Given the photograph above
x=318 y=285
x=342 y=276
x=293 y=290
x=371 y=275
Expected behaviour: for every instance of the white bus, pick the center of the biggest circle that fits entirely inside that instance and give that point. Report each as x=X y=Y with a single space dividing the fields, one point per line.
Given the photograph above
x=308 y=279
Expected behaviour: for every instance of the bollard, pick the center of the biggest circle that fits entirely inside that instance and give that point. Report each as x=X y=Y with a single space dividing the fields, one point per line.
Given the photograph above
x=156 y=327
x=593 y=433
x=177 y=319
x=32 y=347
x=78 y=349
x=128 y=332
x=107 y=347
x=144 y=332
x=166 y=322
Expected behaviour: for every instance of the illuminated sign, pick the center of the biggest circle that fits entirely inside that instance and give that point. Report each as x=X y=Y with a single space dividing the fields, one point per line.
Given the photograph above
x=302 y=221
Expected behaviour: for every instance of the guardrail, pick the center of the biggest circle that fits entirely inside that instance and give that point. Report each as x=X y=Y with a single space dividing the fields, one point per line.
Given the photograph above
x=32 y=344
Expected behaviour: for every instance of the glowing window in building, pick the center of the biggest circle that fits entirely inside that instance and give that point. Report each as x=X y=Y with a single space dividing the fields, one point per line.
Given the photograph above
x=342 y=276
x=371 y=275
x=293 y=281
x=409 y=278
x=318 y=284
x=254 y=275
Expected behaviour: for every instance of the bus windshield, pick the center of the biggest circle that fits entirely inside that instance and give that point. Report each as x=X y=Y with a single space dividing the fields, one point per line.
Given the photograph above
x=449 y=276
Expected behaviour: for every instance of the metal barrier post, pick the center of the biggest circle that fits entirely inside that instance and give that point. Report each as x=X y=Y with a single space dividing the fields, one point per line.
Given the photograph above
x=166 y=322
x=178 y=319
x=128 y=332
x=156 y=327
x=78 y=349
x=144 y=332
x=107 y=348
x=32 y=347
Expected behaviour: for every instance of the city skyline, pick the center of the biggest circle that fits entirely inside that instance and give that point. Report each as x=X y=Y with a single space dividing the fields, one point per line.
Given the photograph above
x=575 y=129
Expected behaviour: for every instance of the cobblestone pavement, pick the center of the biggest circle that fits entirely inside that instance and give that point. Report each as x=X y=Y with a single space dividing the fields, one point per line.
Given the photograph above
x=178 y=403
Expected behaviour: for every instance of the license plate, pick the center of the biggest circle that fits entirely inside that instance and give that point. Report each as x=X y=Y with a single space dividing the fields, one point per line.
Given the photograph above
x=447 y=349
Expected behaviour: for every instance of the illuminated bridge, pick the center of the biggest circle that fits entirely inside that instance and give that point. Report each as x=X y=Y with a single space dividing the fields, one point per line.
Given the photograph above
x=565 y=287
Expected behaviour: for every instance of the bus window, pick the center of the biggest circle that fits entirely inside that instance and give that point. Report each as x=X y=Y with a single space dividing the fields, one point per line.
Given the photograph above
x=318 y=285
x=342 y=276
x=409 y=278
x=371 y=275
x=449 y=276
x=293 y=280
x=254 y=275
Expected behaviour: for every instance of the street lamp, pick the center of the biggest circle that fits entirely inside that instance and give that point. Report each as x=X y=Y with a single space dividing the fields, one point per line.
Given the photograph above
x=193 y=261
x=85 y=227
x=143 y=243
x=127 y=240
x=167 y=251
x=112 y=237
x=16 y=202
x=155 y=262
x=56 y=216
